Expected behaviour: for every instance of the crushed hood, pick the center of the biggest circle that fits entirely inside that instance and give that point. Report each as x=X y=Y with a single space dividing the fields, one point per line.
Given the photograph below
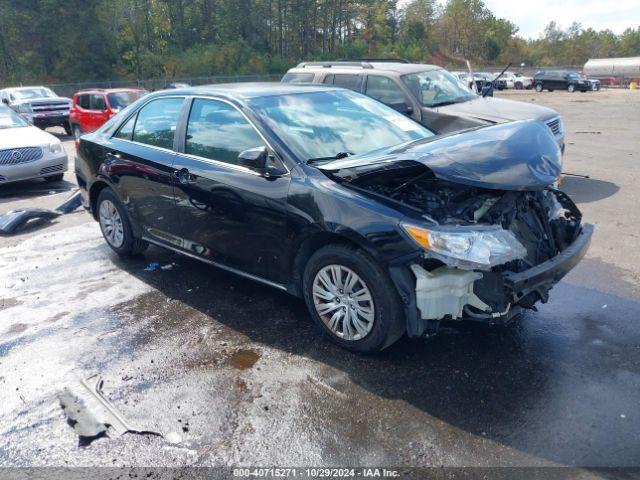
x=510 y=156
x=498 y=110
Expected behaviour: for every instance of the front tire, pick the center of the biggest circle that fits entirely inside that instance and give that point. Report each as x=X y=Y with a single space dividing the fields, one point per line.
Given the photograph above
x=116 y=227
x=353 y=299
x=538 y=87
x=67 y=129
x=518 y=86
x=571 y=88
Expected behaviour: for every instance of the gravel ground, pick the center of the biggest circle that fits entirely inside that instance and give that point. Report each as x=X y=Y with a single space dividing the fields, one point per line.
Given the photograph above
x=229 y=372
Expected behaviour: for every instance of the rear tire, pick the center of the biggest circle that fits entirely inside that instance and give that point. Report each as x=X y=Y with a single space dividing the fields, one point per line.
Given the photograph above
x=116 y=227
x=353 y=299
x=54 y=178
x=518 y=85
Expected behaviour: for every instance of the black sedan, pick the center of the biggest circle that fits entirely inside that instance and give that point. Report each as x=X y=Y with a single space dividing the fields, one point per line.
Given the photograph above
x=380 y=225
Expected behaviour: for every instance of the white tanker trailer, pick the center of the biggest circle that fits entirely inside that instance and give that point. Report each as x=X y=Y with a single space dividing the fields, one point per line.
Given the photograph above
x=614 y=71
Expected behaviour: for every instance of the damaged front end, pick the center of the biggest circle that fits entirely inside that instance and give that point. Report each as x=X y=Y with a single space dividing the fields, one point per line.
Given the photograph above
x=484 y=253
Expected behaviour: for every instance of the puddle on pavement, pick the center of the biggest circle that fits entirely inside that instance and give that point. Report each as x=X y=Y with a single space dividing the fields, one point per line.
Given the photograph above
x=244 y=359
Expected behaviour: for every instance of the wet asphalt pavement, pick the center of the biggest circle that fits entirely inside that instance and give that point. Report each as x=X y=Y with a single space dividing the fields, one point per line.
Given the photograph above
x=230 y=372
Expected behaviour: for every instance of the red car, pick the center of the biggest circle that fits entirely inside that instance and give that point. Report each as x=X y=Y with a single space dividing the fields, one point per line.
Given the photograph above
x=91 y=108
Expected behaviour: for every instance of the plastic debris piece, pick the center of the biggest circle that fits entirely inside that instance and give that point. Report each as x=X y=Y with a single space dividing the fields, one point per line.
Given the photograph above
x=12 y=221
x=152 y=267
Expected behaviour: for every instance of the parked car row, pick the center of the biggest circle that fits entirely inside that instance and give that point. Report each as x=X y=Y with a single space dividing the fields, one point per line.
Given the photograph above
x=26 y=150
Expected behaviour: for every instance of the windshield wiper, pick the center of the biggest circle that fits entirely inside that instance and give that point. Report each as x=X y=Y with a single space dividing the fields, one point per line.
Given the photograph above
x=337 y=156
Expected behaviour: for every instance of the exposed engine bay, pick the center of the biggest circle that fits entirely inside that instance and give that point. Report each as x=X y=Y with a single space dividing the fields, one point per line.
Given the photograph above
x=545 y=222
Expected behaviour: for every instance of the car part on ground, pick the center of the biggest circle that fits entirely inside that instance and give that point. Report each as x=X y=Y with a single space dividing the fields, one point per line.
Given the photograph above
x=380 y=225
x=14 y=220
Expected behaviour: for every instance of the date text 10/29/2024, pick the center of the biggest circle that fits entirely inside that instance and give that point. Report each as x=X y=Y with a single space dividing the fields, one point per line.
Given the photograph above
x=306 y=472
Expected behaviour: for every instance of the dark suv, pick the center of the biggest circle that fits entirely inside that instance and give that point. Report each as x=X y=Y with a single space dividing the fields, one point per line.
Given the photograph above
x=560 y=80
x=379 y=225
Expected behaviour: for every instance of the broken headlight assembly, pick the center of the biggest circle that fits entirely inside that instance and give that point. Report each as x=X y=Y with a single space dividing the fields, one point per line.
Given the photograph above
x=480 y=248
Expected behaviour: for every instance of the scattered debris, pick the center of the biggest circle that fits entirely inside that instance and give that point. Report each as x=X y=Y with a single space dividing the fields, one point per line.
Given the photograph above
x=152 y=267
x=604 y=306
x=168 y=266
x=114 y=418
x=11 y=221
x=593 y=132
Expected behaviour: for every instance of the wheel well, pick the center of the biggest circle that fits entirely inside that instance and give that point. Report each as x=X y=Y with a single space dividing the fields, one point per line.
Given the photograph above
x=96 y=188
x=306 y=249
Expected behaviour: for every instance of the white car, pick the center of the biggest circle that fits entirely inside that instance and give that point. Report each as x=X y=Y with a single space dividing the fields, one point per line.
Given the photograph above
x=27 y=152
x=517 y=80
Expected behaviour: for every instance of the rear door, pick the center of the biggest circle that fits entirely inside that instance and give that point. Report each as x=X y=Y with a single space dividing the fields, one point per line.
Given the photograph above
x=140 y=163
x=230 y=214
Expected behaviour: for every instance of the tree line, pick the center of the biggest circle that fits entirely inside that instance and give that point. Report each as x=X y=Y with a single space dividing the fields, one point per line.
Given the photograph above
x=45 y=41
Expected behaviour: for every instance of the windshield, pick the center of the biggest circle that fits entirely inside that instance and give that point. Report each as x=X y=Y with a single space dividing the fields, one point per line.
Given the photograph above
x=437 y=88
x=320 y=125
x=29 y=93
x=10 y=119
x=120 y=100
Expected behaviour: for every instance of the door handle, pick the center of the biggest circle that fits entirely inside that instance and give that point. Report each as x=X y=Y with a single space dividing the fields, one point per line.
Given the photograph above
x=184 y=176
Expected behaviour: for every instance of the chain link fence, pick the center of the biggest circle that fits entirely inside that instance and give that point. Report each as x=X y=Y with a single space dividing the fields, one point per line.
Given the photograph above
x=68 y=89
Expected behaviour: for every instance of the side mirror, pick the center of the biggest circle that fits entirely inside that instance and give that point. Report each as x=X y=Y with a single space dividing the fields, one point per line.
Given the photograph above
x=402 y=107
x=254 y=158
x=5 y=101
x=487 y=90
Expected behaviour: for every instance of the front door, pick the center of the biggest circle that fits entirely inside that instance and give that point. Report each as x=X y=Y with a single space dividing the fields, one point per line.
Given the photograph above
x=230 y=214
x=139 y=159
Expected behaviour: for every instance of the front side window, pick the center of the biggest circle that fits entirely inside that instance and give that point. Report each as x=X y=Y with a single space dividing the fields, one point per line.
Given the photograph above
x=436 y=88
x=298 y=77
x=156 y=122
x=218 y=131
x=322 y=124
x=384 y=90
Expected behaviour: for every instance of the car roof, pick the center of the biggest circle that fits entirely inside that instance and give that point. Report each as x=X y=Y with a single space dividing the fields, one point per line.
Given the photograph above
x=25 y=88
x=108 y=90
x=246 y=90
x=396 y=67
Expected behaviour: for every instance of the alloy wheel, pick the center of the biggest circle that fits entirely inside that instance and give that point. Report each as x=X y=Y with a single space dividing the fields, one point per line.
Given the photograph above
x=111 y=224
x=343 y=302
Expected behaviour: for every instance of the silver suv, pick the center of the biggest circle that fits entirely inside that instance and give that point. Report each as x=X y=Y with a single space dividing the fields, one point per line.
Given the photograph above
x=427 y=93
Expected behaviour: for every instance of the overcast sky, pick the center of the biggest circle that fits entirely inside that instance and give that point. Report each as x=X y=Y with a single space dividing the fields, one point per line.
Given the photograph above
x=531 y=16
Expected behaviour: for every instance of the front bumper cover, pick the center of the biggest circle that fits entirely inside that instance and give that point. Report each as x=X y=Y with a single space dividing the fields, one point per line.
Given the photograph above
x=507 y=288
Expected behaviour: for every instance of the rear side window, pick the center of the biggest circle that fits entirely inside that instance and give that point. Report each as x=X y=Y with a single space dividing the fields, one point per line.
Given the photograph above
x=384 y=90
x=352 y=82
x=298 y=78
x=97 y=102
x=218 y=131
x=84 y=102
x=156 y=122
